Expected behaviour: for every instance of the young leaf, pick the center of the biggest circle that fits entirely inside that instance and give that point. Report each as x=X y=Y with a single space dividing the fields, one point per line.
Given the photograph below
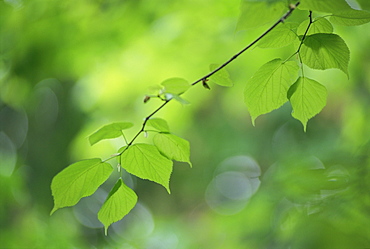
x=328 y=6
x=109 y=131
x=222 y=77
x=254 y=14
x=175 y=85
x=324 y=51
x=159 y=124
x=319 y=25
x=176 y=97
x=173 y=147
x=119 y=203
x=281 y=36
x=268 y=87
x=308 y=98
x=78 y=180
x=351 y=17
x=145 y=161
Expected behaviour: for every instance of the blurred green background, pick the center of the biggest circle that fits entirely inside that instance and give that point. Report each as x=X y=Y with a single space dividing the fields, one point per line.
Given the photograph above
x=67 y=68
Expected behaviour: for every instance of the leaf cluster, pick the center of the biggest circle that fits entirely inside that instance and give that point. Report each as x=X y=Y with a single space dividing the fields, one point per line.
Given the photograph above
x=274 y=83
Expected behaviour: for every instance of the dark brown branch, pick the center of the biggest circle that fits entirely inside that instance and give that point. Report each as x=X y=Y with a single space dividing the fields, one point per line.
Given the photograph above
x=292 y=7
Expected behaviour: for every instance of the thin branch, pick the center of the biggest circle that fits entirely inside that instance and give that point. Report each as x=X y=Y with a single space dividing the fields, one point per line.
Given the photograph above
x=292 y=7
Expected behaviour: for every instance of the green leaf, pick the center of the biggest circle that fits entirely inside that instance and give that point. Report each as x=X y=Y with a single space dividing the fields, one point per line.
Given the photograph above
x=222 y=77
x=319 y=25
x=267 y=89
x=308 y=98
x=328 y=6
x=145 y=161
x=159 y=124
x=78 y=180
x=281 y=36
x=173 y=147
x=118 y=204
x=351 y=17
x=324 y=51
x=254 y=14
x=365 y=4
x=175 y=85
x=176 y=97
x=109 y=131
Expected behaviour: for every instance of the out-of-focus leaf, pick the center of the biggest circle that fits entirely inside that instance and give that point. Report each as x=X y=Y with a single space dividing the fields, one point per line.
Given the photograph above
x=254 y=14
x=351 y=17
x=328 y=6
x=281 y=36
x=175 y=86
x=222 y=77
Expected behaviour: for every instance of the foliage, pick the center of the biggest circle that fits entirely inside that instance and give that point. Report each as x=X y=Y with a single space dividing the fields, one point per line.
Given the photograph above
x=275 y=83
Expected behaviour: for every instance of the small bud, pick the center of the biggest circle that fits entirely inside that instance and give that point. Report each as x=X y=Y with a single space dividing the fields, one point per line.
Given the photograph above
x=146 y=99
x=119 y=167
x=145 y=134
x=205 y=85
x=292 y=6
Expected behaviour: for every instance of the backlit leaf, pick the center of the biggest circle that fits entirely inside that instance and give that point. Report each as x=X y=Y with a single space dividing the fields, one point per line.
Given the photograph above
x=281 y=36
x=254 y=14
x=119 y=203
x=109 y=131
x=159 y=124
x=267 y=89
x=308 y=98
x=319 y=25
x=222 y=77
x=328 y=6
x=324 y=51
x=175 y=85
x=77 y=181
x=173 y=147
x=176 y=97
x=145 y=161
x=351 y=17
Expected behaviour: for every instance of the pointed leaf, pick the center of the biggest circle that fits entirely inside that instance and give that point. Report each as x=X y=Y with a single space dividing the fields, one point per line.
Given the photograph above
x=159 y=124
x=109 y=131
x=173 y=147
x=281 y=36
x=308 y=98
x=351 y=17
x=77 y=181
x=328 y=6
x=319 y=25
x=324 y=51
x=254 y=14
x=267 y=89
x=145 y=161
x=175 y=85
x=222 y=77
x=118 y=204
